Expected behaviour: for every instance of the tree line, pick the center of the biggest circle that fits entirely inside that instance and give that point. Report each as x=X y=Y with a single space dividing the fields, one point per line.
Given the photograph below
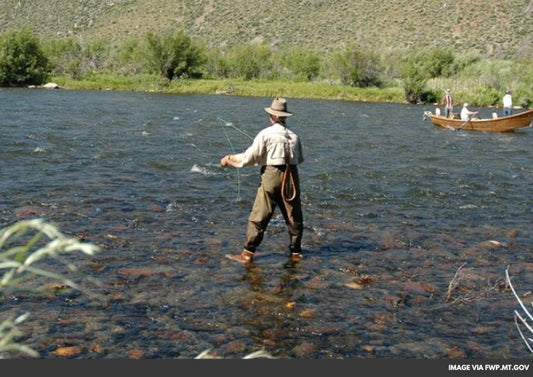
x=27 y=60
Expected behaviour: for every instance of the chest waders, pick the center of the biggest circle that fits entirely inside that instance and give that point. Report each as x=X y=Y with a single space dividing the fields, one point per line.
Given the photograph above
x=279 y=187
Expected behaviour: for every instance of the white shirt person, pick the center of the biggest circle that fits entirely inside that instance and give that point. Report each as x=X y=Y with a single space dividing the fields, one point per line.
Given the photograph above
x=507 y=103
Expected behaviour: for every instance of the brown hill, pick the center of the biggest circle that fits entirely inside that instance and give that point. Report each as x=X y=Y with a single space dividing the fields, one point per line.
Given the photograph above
x=490 y=27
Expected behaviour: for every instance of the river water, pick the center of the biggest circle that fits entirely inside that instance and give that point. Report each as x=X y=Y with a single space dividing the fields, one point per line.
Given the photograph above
x=408 y=229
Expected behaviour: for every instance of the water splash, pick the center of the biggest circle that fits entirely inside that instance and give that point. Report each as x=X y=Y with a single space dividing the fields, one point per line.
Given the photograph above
x=200 y=169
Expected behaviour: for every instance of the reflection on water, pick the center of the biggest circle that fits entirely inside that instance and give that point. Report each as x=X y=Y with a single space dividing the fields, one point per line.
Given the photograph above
x=393 y=207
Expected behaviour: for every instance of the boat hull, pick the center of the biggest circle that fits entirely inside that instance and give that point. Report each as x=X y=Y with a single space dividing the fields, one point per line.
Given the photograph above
x=504 y=124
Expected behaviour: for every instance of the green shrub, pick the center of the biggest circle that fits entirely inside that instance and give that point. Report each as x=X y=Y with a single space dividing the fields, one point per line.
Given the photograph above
x=414 y=73
x=523 y=97
x=65 y=57
x=299 y=64
x=74 y=59
x=355 y=67
x=522 y=87
x=128 y=58
x=486 y=95
x=248 y=62
x=463 y=61
x=217 y=65
x=429 y=96
x=22 y=60
x=174 y=55
x=440 y=62
x=96 y=55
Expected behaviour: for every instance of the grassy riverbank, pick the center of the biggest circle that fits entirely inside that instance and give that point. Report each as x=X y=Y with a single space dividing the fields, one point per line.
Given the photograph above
x=464 y=91
x=310 y=90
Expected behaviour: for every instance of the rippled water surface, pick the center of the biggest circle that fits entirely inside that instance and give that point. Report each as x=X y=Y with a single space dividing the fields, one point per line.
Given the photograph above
x=393 y=207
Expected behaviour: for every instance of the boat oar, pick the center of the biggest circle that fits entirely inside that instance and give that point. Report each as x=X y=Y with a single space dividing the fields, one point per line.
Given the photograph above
x=467 y=120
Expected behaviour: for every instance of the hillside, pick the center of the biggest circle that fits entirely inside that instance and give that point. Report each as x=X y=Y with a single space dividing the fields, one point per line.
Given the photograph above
x=490 y=27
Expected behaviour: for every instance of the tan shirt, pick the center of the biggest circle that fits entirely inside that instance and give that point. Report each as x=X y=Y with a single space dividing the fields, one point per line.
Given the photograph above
x=269 y=148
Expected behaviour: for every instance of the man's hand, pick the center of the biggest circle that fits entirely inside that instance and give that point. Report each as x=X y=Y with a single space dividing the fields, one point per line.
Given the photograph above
x=224 y=161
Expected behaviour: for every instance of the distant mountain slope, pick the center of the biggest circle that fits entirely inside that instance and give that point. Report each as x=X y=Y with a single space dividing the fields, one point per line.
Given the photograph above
x=491 y=27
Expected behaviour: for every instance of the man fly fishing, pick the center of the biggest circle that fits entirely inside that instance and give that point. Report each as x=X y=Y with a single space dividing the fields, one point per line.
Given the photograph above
x=278 y=151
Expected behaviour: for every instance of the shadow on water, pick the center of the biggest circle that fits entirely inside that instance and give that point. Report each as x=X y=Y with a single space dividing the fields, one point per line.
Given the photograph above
x=393 y=206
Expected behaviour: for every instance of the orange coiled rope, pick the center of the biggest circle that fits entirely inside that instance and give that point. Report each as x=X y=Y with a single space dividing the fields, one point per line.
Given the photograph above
x=288 y=188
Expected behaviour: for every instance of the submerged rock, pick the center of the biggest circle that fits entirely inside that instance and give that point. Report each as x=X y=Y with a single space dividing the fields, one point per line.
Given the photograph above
x=67 y=351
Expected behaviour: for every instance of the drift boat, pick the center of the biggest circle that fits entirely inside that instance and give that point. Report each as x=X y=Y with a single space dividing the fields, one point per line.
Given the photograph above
x=508 y=123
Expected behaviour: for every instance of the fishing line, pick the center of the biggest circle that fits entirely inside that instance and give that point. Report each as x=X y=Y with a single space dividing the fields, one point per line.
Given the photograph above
x=224 y=124
x=238 y=129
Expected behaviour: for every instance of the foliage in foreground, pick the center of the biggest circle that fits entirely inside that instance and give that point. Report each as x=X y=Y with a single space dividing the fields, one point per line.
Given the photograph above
x=22 y=252
x=18 y=262
x=522 y=319
x=261 y=354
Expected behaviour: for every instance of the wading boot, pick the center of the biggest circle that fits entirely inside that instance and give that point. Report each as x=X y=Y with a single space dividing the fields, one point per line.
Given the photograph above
x=246 y=257
x=293 y=260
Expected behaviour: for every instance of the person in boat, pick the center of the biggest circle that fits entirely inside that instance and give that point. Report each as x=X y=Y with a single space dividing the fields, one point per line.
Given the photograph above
x=278 y=151
x=507 y=103
x=466 y=114
x=447 y=100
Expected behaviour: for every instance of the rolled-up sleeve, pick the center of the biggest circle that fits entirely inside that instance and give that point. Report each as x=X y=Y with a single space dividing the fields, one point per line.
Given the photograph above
x=270 y=147
x=253 y=155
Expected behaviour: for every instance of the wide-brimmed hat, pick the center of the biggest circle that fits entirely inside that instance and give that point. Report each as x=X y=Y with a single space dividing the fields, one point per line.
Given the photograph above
x=278 y=108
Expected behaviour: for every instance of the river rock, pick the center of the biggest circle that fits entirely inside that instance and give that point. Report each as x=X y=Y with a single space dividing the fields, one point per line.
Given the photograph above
x=51 y=85
x=28 y=211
